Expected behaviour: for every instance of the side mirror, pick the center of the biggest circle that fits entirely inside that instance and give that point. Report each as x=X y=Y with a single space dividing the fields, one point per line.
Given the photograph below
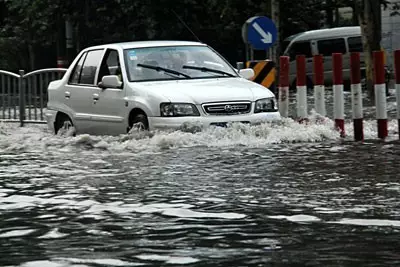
x=246 y=73
x=110 y=81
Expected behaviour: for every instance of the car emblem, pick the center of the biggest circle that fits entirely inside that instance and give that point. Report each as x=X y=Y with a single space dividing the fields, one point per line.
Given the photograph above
x=228 y=108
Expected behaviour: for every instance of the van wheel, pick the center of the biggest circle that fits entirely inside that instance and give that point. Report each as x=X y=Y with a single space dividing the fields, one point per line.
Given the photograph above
x=139 y=123
x=64 y=126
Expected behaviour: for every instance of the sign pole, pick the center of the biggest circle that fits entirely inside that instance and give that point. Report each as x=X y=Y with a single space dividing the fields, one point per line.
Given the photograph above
x=275 y=15
x=247 y=52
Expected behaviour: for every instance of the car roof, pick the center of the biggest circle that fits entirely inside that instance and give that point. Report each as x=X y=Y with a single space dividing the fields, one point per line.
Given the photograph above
x=141 y=44
x=291 y=37
x=326 y=33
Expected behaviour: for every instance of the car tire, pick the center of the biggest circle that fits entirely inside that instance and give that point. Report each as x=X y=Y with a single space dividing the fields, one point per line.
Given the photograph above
x=139 y=123
x=63 y=125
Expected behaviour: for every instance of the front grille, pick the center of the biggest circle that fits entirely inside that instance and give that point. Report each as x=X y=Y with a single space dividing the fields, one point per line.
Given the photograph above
x=231 y=108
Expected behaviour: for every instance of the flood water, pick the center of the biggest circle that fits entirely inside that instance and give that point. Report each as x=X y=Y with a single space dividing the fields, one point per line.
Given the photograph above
x=286 y=194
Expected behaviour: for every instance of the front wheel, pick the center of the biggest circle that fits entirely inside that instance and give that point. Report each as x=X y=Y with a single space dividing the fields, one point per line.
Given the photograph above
x=64 y=126
x=139 y=123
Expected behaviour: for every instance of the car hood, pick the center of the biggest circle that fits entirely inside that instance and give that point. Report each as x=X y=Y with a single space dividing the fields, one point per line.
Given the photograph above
x=201 y=91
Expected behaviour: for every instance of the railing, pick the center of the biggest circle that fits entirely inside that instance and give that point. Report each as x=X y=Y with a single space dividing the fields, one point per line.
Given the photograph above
x=23 y=97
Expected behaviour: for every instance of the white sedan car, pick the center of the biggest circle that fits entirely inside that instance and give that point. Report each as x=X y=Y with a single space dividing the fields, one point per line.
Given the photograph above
x=110 y=89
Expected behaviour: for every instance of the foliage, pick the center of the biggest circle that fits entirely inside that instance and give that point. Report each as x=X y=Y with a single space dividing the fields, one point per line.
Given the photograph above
x=32 y=31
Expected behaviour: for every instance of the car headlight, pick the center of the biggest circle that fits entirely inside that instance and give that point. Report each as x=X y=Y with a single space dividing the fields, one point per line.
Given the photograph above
x=178 y=110
x=266 y=105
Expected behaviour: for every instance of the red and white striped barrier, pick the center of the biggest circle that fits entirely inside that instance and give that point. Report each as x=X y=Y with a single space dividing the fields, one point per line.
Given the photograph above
x=356 y=96
x=380 y=94
x=284 y=86
x=301 y=96
x=319 y=85
x=338 y=97
x=397 y=74
x=338 y=94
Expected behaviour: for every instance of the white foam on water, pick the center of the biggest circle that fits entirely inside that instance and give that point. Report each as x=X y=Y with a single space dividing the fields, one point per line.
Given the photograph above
x=46 y=263
x=99 y=161
x=180 y=210
x=367 y=222
x=104 y=262
x=317 y=129
x=357 y=209
x=17 y=233
x=16 y=206
x=53 y=234
x=94 y=209
x=22 y=199
x=19 y=186
x=46 y=216
x=99 y=232
x=212 y=199
x=300 y=218
x=323 y=210
x=186 y=213
x=329 y=211
x=168 y=259
x=6 y=190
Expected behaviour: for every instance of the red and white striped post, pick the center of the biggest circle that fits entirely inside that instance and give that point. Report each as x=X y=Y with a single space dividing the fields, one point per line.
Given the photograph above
x=284 y=86
x=380 y=94
x=301 y=96
x=338 y=99
x=61 y=62
x=319 y=85
x=397 y=74
x=356 y=96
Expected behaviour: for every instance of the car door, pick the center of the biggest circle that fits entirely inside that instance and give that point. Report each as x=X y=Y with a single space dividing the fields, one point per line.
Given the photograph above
x=109 y=109
x=80 y=89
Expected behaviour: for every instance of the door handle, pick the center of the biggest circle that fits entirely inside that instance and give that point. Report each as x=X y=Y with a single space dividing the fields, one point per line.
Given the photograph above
x=67 y=95
x=95 y=98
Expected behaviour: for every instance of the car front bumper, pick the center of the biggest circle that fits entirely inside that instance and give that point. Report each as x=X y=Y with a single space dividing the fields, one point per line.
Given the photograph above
x=207 y=121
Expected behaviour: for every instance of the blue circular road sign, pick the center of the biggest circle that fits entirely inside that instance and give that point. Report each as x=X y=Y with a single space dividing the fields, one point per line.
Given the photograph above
x=261 y=32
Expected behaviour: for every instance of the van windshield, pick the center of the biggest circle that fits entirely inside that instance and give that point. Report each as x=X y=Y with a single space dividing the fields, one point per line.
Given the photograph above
x=285 y=44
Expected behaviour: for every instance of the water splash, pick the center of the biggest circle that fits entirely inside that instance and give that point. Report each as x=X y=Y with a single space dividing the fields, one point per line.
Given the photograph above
x=315 y=129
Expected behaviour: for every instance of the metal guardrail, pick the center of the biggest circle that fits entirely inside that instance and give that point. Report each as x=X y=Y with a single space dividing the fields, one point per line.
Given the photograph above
x=23 y=97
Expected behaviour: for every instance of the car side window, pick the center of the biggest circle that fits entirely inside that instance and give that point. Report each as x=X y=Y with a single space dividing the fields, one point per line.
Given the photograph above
x=355 y=44
x=90 y=66
x=328 y=47
x=74 y=79
x=300 y=48
x=110 y=65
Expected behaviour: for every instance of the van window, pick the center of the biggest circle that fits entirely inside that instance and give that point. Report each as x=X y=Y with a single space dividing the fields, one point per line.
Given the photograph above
x=355 y=44
x=328 y=47
x=300 y=48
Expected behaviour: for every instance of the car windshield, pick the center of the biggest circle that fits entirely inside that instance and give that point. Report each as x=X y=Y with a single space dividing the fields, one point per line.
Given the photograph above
x=175 y=62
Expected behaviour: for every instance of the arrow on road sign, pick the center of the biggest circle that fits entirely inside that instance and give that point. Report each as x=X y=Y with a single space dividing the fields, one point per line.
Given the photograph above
x=259 y=32
x=266 y=37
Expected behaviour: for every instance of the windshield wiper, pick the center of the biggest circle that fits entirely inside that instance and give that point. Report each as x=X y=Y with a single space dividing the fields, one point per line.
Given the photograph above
x=205 y=69
x=158 y=68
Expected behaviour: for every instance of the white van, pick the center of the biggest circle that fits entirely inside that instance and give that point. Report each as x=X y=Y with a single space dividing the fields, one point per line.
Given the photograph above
x=324 y=42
